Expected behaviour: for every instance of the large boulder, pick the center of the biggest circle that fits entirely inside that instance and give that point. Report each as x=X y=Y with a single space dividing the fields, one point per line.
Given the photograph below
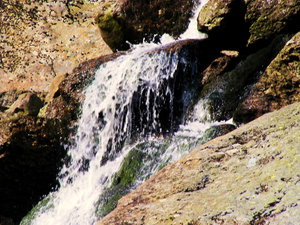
x=239 y=23
x=136 y=20
x=66 y=93
x=277 y=87
x=249 y=176
x=31 y=152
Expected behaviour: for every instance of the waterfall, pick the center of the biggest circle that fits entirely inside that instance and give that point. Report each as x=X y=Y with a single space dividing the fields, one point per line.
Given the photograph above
x=122 y=110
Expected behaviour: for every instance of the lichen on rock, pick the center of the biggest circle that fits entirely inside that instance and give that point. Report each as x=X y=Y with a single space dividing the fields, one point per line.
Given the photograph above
x=248 y=176
x=278 y=86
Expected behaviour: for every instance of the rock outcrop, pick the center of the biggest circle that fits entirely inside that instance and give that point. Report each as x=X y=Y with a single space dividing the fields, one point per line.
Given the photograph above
x=257 y=30
x=277 y=87
x=250 y=23
x=43 y=39
x=249 y=176
x=136 y=20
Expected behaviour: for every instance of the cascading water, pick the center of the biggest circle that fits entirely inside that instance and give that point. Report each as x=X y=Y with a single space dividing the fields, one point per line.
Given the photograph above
x=121 y=111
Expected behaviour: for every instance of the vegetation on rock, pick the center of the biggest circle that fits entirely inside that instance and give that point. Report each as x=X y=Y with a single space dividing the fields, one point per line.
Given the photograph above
x=138 y=20
x=277 y=87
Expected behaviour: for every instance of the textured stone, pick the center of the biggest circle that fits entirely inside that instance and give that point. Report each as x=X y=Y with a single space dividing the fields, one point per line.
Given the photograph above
x=43 y=39
x=249 y=176
x=136 y=20
x=277 y=87
x=27 y=103
x=224 y=22
x=238 y=23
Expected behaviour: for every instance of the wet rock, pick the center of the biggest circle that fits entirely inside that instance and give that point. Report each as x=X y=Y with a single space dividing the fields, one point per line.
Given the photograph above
x=194 y=56
x=277 y=87
x=226 y=61
x=245 y=177
x=67 y=93
x=31 y=153
x=135 y=20
x=225 y=85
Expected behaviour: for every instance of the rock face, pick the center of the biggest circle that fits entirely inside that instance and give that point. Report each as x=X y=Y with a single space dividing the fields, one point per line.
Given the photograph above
x=258 y=30
x=258 y=21
x=249 y=176
x=31 y=153
x=266 y=19
x=277 y=87
x=43 y=39
x=135 y=20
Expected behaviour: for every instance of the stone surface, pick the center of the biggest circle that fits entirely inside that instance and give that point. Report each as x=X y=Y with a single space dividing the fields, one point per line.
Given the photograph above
x=66 y=93
x=249 y=176
x=227 y=79
x=135 y=20
x=277 y=87
x=267 y=19
x=43 y=39
x=238 y=23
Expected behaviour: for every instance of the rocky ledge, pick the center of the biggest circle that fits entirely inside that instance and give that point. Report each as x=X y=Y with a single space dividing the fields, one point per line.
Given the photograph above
x=249 y=176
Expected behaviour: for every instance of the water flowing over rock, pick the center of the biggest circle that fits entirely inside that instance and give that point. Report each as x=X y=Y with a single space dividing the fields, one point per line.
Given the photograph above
x=147 y=92
x=108 y=125
x=249 y=176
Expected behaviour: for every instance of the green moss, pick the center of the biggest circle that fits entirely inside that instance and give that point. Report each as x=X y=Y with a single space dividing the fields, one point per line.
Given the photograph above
x=130 y=167
x=42 y=206
x=111 y=30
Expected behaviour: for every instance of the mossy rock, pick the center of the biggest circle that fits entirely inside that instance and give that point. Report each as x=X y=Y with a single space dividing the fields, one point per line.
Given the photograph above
x=278 y=86
x=223 y=21
x=268 y=19
x=248 y=24
x=111 y=30
x=45 y=204
x=122 y=181
x=225 y=93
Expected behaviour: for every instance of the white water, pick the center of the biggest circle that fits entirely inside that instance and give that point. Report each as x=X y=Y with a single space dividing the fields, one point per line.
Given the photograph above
x=106 y=125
